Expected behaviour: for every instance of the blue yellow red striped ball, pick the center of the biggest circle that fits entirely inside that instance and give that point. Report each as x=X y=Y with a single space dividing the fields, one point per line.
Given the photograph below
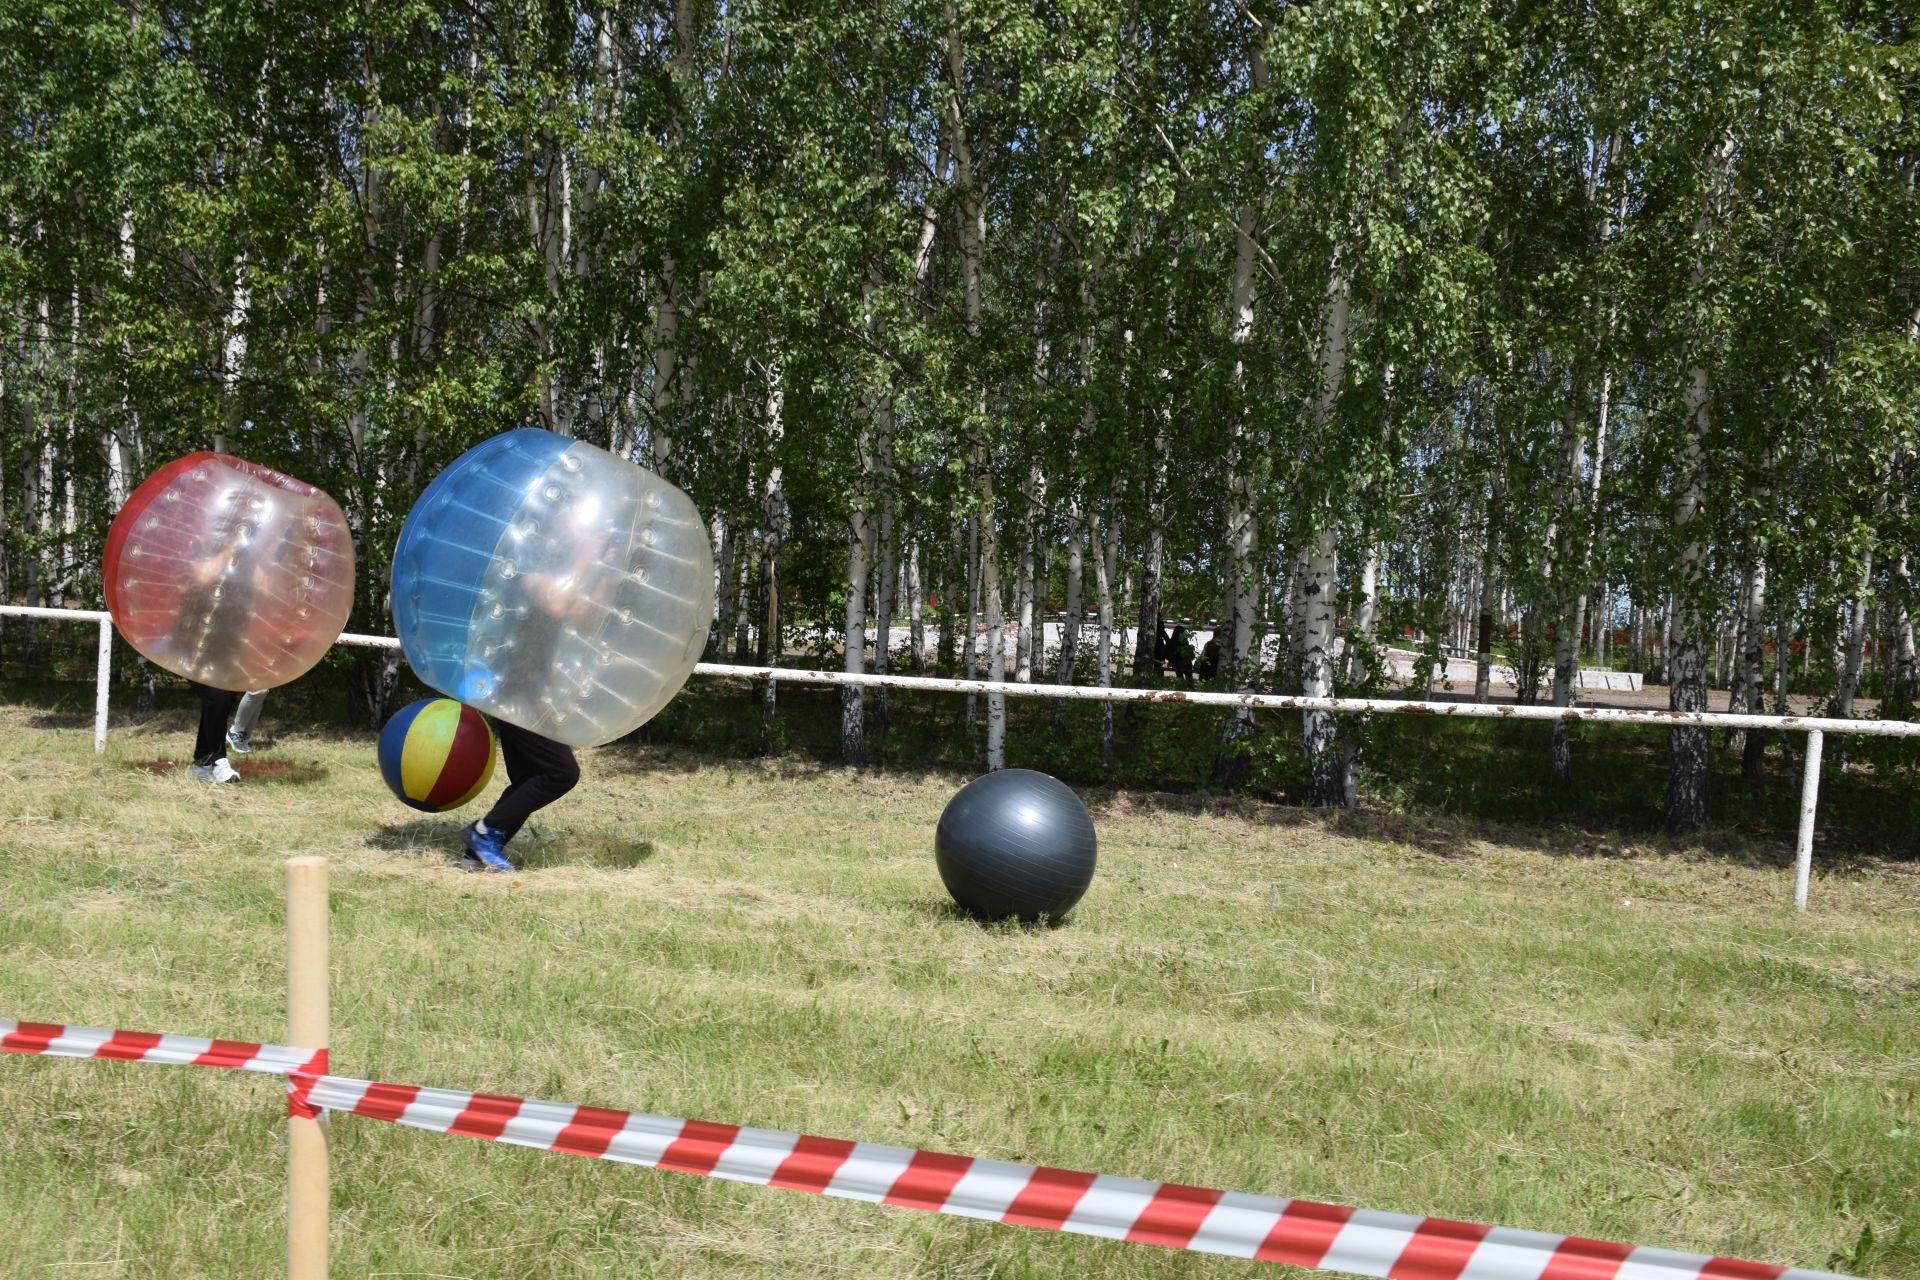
x=436 y=754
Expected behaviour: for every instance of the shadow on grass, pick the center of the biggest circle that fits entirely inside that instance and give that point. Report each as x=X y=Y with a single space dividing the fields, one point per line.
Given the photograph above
x=941 y=909
x=63 y=720
x=570 y=849
x=430 y=839
x=438 y=839
x=289 y=772
x=257 y=772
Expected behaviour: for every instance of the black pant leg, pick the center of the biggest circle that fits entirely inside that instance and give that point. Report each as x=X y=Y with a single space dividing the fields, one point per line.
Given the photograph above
x=539 y=771
x=216 y=708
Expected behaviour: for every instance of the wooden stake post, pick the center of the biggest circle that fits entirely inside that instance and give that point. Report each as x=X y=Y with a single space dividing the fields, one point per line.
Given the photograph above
x=307 y=1027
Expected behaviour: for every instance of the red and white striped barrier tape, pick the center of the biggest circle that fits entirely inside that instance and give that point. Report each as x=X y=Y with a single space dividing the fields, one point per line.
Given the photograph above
x=1300 y=1232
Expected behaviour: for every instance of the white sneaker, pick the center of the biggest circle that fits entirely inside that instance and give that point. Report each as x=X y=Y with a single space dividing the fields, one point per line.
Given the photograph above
x=220 y=770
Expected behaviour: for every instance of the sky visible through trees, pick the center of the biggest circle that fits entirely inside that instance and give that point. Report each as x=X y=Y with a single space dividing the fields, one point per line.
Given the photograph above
x=1575 y=332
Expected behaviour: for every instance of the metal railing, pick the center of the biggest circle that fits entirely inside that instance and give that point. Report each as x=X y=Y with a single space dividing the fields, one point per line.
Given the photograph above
x=1815 y=727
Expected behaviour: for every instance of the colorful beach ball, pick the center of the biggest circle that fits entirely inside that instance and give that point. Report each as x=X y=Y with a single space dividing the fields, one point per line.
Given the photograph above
x=436 y=754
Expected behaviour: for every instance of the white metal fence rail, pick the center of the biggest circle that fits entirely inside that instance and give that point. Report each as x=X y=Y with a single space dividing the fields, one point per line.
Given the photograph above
x=1815 y=727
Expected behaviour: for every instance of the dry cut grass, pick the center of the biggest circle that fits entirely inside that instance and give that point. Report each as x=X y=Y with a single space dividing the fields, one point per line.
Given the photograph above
x=1553 y=1029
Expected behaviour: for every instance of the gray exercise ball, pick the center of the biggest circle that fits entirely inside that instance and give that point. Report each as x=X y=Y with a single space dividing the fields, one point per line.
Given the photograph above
x=1016 y=843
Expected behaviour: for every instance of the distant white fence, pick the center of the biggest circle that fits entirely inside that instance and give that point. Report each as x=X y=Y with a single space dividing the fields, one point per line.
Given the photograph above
x=1815 y=727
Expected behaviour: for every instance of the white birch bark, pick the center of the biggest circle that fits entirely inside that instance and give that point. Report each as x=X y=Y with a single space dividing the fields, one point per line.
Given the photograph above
x=116 y=435
x=1849 y=683
x=1326 y=787
x=1242 y=521
x=1240 y=531
x=550 y=224
x=1904 y=683
x=749 y=573
x=1752 y=746
x=1070 y=624
x=860 y=533
x=666 y=338
x=725 y=549
x=886 y=594
x=1103 y=558
x=1360 y=645
x=773 y=523
x=1689 y=799
x=1146 y=653
x=233 y=354
x=995 y=621
x=973 y=238
x=1024 y=645
x=1565 y=573
x=969 y=636
x=916 y=607
x=1362 y=633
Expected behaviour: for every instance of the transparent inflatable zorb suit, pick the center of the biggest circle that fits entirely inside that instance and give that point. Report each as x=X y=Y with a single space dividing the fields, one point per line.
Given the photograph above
x=228 y=572
x=555 y=586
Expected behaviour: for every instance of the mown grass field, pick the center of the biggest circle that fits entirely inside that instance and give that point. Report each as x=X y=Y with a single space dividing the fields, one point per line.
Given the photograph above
x=1551 y=1027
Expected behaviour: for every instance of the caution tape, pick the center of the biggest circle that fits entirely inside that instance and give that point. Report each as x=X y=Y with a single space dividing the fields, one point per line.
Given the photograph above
x=1303 y=1233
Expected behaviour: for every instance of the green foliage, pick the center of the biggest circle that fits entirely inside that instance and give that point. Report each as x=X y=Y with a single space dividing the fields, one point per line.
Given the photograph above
x=734 y=242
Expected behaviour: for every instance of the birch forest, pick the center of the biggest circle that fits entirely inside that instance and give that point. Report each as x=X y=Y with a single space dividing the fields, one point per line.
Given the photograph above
x=1549 y=335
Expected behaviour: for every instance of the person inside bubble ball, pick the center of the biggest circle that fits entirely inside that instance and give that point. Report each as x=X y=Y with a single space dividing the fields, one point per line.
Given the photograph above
x=210 y=629
x=539 y=769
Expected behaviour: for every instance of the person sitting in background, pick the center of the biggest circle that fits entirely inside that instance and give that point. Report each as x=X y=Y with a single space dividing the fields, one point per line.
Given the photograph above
x=1180 y=655
x=1209 y=665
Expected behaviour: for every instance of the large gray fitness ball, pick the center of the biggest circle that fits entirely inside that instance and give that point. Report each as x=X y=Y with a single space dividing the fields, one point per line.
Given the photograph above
x=1016 y=843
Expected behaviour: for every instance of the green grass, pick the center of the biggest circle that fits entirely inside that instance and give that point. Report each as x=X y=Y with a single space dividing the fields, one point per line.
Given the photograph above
x=1570 y=1029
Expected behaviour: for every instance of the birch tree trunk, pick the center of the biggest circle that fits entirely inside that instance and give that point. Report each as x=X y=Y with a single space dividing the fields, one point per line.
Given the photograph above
x=773 y=518
x=1241 y=530
x=550 y=221
x=1326 y=787
x=1035 y=501
x=973 y=613
x=233 y=356
x=724 y=552
x=973 y=243
x=1565 y=575
x=1689 y=777
x=1666 y=643
x=995 y=621
x=1104 y=549
x=1070 y=623
x=1360 y=647
x=1489 y=594
x=853 y=739
x=1849 y=682
x=1146 y=653
x=116 y=435
x=1753 y=744
x=1366 y=618
x=1689 y=798
x=886 y=599
x=1903 y=685
x=916 y=607
x=666 y=365
x=1782 y=658
x=743 y=591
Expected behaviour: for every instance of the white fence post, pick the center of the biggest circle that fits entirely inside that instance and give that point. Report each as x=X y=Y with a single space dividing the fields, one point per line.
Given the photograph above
x=1809 y=798
x=100 y=686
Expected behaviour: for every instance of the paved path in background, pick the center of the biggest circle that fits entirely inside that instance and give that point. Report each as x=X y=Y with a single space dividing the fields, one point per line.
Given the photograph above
x=1597 y=688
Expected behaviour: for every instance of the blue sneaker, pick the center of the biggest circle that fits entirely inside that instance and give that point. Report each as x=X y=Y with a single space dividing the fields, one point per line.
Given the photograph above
x=485 y=850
